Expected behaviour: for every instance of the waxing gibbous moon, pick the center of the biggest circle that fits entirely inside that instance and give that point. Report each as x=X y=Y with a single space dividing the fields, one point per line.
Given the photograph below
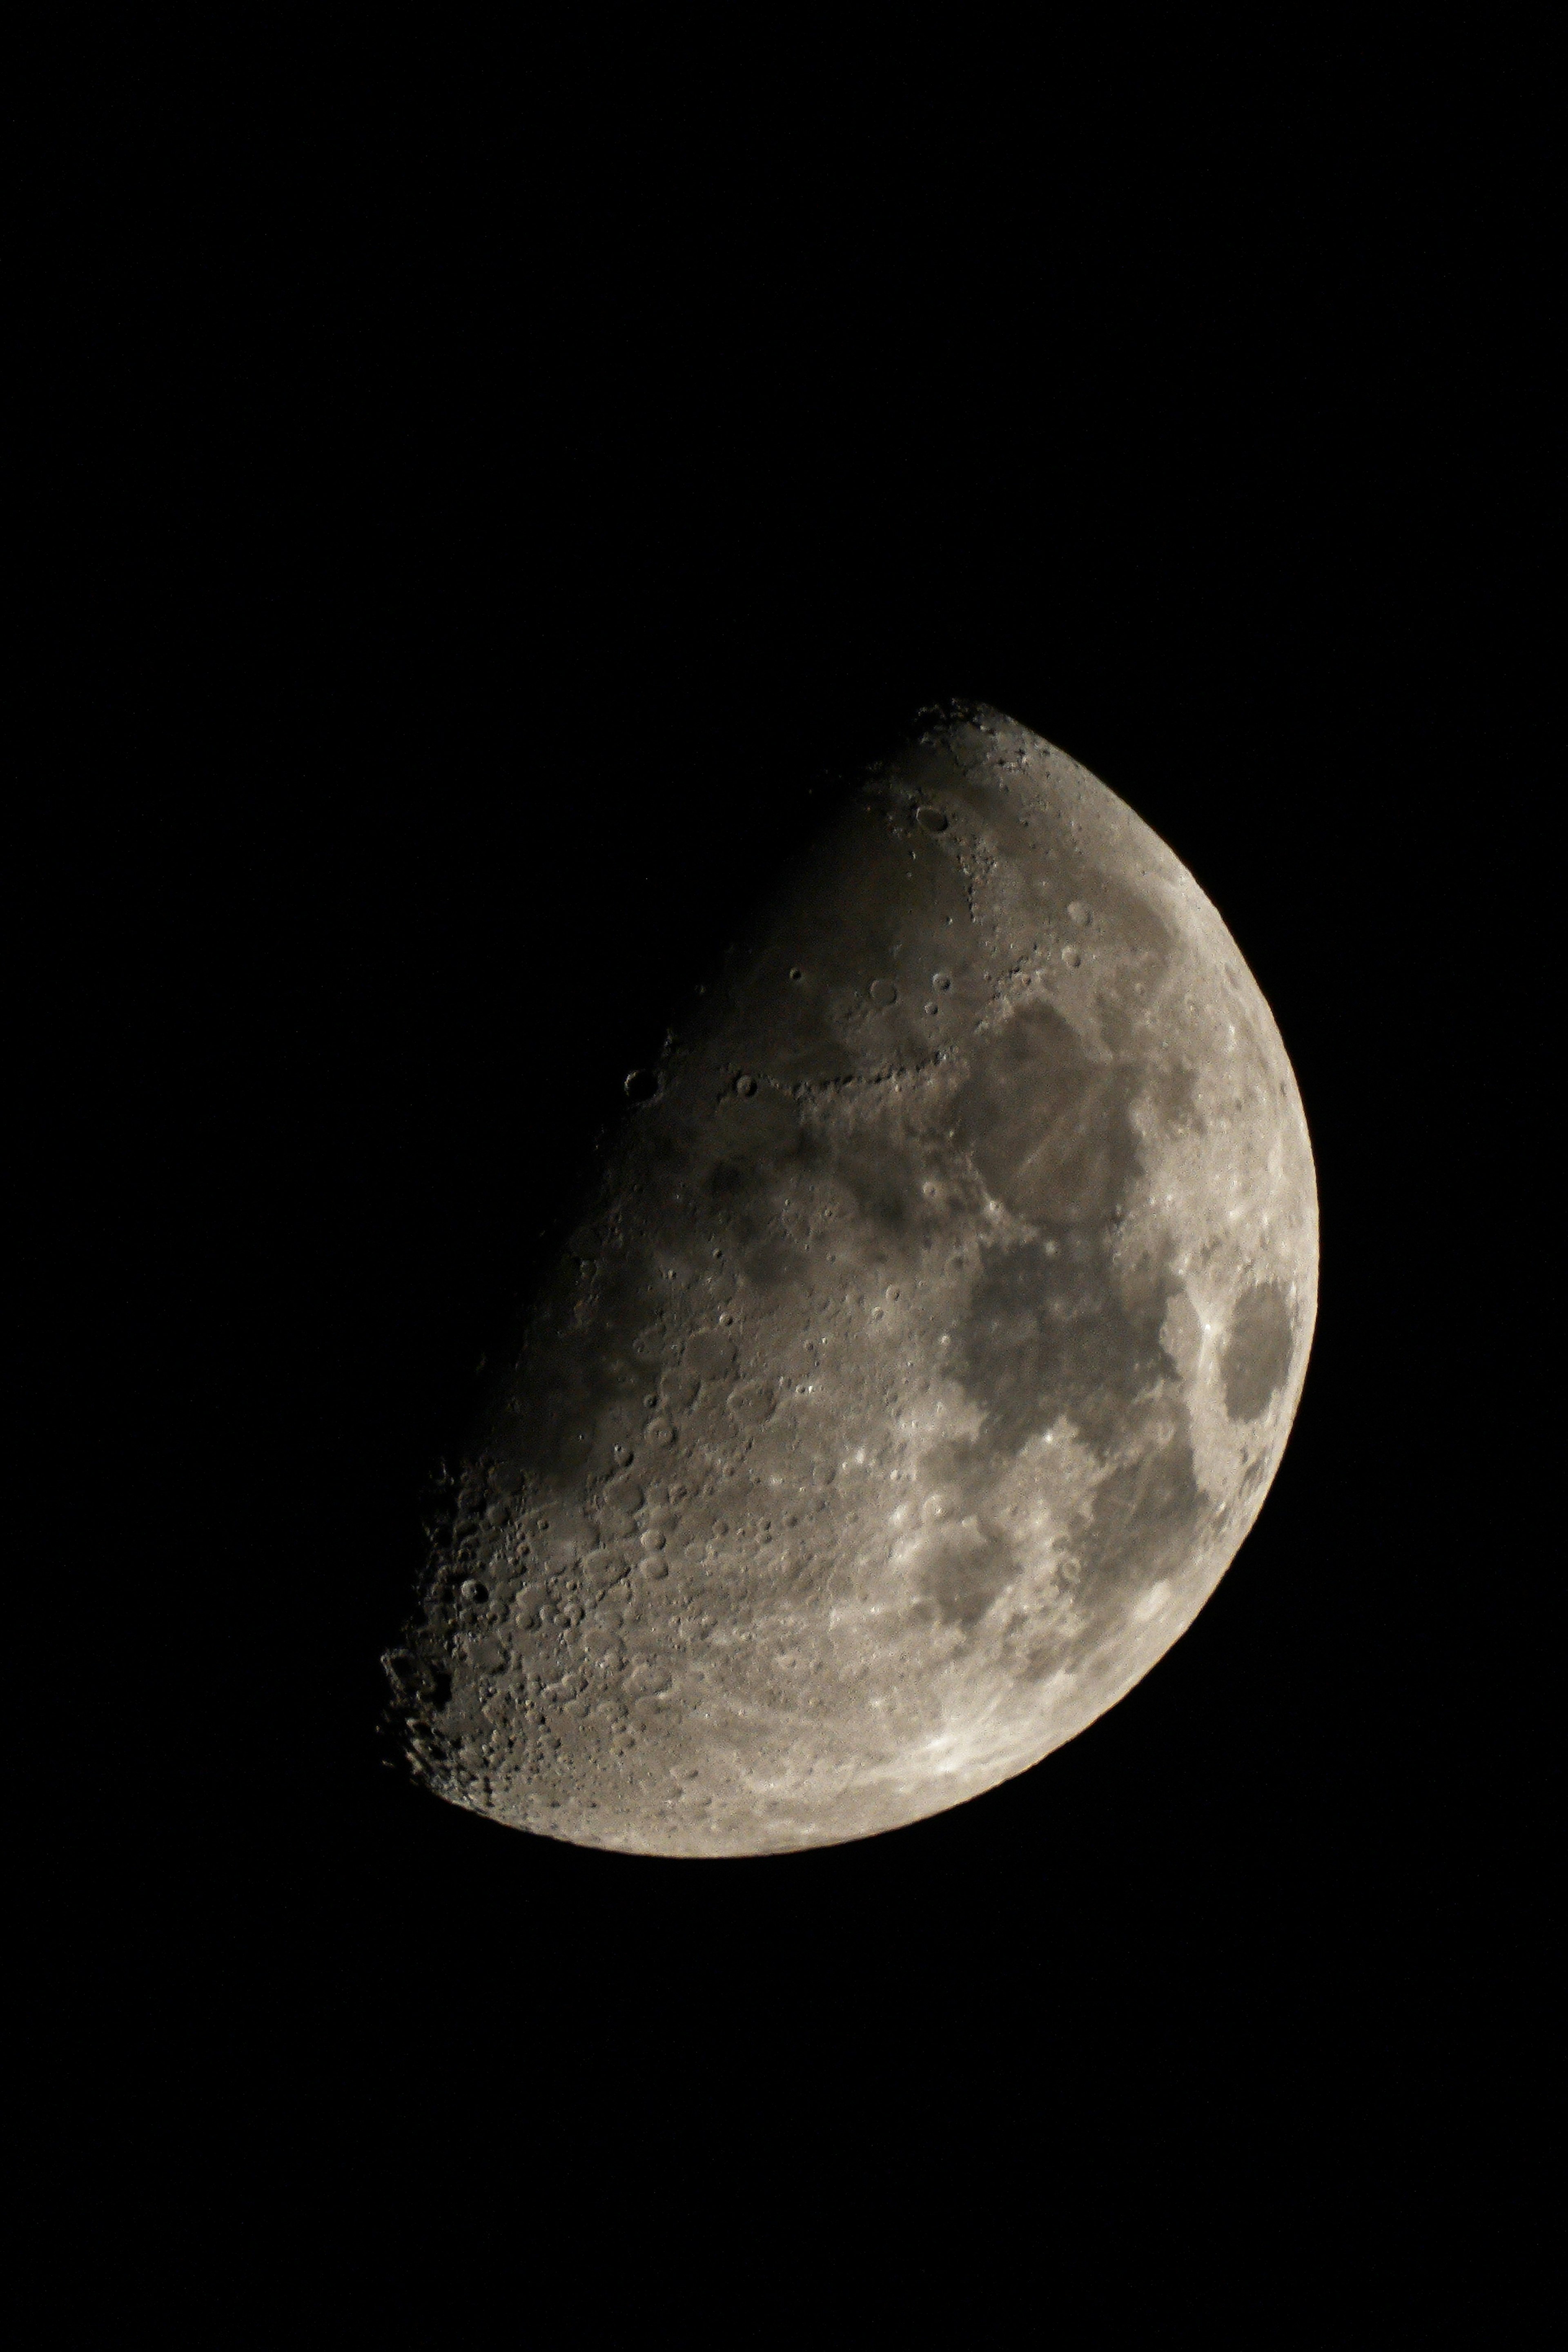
x=920 y=1361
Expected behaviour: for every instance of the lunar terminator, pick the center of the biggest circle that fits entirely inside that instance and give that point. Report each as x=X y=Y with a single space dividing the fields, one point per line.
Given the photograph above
x=919 y=1364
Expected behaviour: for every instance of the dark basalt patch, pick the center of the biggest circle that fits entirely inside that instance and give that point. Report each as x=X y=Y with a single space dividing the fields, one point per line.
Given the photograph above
x=885 y=1190
x=1140 y=1528
x=964 y=1570
x=1050 y=1332
x=1145 y=1512
x=1258 y=1351
x=1047 y=1126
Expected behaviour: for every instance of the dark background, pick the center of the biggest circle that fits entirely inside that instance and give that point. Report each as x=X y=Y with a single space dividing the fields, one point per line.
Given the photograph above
x=496 y=485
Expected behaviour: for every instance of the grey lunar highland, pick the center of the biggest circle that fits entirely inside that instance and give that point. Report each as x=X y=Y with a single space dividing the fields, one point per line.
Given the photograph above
x=923 y=1358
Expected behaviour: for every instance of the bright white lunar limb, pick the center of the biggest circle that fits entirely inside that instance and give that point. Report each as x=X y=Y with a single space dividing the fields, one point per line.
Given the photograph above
x=921 y=1359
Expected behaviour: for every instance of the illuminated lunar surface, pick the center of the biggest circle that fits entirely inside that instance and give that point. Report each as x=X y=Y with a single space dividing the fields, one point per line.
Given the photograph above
x=921 y=1359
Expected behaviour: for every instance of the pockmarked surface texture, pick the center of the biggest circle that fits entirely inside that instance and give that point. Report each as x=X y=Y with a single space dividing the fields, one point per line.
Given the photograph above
x=922 y=1361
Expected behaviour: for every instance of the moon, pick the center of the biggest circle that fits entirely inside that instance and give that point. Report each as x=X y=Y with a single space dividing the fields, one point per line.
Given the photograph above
x=920 y=1361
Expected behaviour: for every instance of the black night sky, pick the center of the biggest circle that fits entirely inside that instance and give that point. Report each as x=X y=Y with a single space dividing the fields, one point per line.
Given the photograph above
x=516 y=476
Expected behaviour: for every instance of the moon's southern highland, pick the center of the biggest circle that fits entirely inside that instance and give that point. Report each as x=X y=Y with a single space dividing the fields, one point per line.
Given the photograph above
x=921 y=1359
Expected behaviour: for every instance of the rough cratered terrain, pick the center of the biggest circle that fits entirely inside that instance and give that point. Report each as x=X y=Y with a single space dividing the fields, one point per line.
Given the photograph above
x=920 y=1365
